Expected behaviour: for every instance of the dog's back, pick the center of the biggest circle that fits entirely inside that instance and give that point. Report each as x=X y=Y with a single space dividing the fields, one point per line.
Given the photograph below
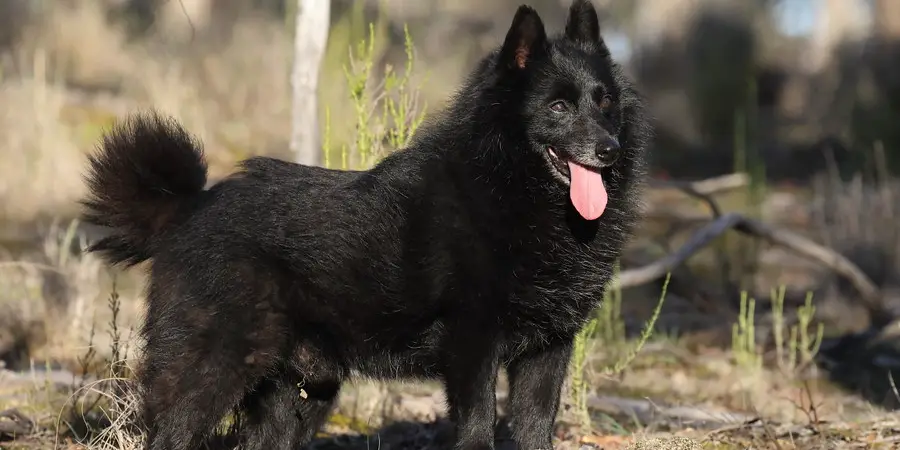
x=278 y=264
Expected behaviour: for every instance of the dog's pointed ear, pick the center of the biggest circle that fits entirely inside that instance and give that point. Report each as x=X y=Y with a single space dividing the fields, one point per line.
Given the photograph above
x=583 y=25
x=525 y=40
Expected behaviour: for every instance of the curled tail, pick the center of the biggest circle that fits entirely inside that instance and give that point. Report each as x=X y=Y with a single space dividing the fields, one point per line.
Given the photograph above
x=141 y=181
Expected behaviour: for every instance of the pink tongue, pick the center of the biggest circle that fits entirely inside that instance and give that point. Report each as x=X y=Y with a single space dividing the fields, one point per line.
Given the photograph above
x=587 y=191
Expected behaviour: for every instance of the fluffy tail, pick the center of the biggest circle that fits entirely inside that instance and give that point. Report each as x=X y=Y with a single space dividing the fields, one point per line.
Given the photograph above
x=141 y=182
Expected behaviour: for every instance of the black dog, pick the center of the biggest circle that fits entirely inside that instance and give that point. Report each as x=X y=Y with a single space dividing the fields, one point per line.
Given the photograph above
x=485 y=244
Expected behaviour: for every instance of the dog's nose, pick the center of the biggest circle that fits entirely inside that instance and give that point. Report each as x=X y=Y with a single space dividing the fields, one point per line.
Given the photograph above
x=608 y=151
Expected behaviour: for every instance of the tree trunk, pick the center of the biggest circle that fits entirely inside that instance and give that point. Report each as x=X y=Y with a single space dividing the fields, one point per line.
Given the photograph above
x=887 y=18
x=310 y=38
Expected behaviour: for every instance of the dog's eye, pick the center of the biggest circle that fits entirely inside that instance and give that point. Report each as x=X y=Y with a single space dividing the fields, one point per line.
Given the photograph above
x=605 y=102
x=559 y=106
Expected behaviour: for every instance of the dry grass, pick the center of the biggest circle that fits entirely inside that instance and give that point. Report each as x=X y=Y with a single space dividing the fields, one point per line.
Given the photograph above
x=39 y=151
x=75 y=73
x=861 y=218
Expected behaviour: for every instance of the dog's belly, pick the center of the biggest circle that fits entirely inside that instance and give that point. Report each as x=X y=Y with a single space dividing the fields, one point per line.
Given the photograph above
x=388 y=353
x=418 y=363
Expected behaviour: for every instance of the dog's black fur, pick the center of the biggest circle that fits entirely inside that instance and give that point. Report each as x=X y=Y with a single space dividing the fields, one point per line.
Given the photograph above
x=450 y=259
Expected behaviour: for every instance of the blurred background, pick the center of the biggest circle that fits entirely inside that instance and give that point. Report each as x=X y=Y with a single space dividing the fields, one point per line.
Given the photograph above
x=801 y=98
x=788 y=84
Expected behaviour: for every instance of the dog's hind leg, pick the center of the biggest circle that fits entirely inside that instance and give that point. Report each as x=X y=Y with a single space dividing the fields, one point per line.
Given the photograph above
x=202 y=356
x=186 y=394
x=288 y=409
x=285 y=414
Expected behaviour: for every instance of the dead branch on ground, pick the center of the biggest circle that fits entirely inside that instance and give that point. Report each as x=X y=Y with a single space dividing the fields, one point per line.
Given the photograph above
x=721 y=223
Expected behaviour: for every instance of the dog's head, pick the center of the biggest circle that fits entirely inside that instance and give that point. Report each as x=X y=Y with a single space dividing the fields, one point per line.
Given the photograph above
x=576 y=106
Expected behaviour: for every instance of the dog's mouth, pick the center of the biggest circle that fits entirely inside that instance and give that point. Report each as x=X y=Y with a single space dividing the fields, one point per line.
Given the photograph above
x=560 y=166
x=586 y=188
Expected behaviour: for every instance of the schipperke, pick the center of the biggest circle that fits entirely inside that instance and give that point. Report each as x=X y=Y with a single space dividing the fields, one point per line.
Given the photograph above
x=484 y=244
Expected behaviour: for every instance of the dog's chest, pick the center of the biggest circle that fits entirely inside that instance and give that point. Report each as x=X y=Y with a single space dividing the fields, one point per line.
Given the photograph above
x=562 y=263
x=561 y=281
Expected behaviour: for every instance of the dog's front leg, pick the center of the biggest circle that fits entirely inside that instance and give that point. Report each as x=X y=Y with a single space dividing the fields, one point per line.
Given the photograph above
x=470 y=376
x=535 y=380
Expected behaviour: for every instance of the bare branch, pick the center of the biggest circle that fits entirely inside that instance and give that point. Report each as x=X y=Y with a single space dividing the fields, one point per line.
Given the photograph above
x=869 y=293
x=659 y=268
